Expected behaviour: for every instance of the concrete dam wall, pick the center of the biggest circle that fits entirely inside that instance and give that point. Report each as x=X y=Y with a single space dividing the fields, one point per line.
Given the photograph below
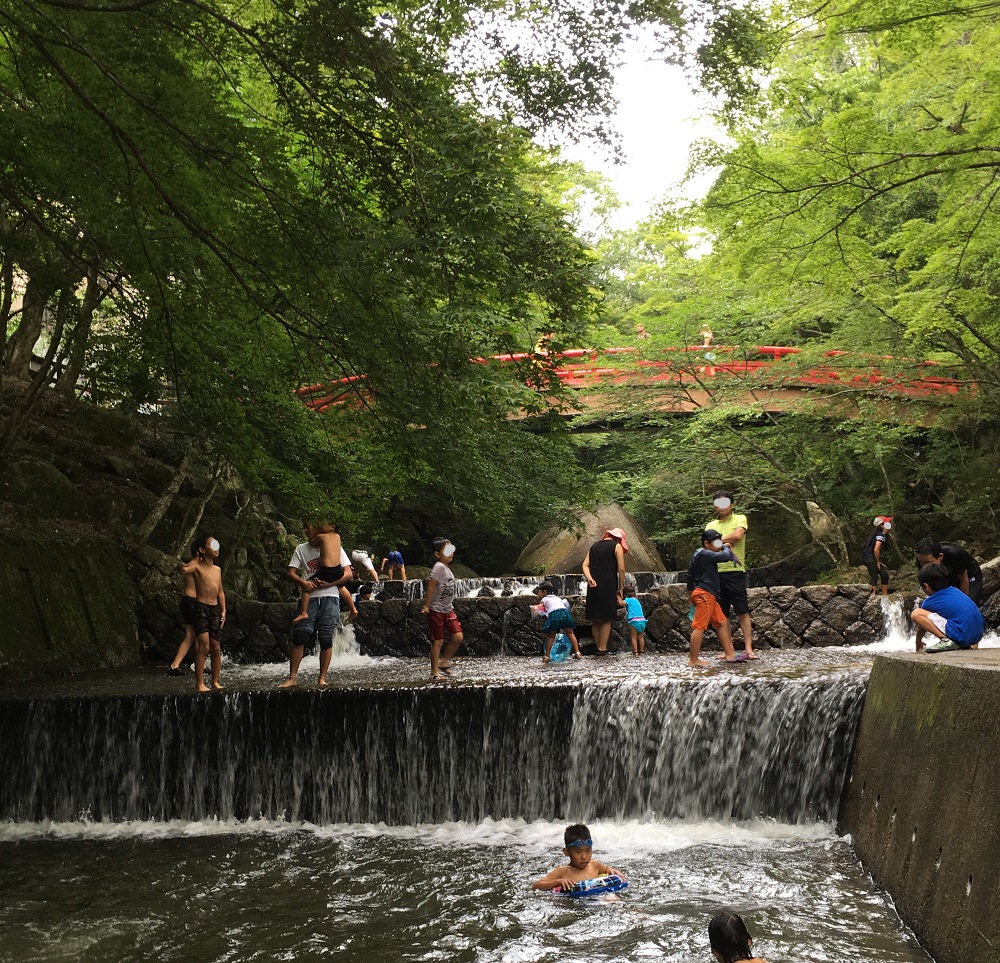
x=922 y=801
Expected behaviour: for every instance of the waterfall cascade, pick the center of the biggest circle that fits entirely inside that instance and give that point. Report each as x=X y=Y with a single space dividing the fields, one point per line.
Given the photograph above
x=714 y=748
x=566 y=585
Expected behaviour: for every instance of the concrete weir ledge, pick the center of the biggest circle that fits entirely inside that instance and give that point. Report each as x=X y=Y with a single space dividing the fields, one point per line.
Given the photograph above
x=922 y=800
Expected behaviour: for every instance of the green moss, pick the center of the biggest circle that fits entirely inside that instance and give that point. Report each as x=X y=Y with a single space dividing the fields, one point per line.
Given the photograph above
x=69 y=604
x=42 y=489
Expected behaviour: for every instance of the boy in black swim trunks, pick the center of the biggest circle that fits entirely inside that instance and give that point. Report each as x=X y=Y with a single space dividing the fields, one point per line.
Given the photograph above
x=582 y=866
x=209 y=613
x=187 y=608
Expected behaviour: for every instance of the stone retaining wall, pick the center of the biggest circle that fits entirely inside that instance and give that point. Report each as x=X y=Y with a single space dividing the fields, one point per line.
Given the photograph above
x=784 y=617
x=921 y=799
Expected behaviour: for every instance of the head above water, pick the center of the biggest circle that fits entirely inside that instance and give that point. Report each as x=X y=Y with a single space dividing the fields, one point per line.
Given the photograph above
x=577 y=836
x=729 y=938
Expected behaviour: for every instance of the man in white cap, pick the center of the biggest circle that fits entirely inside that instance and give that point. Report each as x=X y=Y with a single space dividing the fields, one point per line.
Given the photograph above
x=733 y=575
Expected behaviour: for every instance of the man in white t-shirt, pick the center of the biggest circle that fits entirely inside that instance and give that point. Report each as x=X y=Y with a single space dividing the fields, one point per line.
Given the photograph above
x=323 y=615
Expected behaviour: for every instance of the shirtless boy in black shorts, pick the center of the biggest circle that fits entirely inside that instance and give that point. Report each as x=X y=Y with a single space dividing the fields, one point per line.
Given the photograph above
x=209 y=613
x=187 y=606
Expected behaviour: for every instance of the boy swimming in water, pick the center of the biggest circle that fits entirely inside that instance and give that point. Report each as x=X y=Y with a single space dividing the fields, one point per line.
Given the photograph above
x=582 y=866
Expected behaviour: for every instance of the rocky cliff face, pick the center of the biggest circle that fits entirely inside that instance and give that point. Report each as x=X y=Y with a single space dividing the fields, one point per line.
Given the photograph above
x=559 y=550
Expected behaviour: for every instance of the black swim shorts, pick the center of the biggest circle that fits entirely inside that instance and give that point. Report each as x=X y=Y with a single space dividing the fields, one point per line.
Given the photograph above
x=734 y=592
x=208 y=619
x=329 y=573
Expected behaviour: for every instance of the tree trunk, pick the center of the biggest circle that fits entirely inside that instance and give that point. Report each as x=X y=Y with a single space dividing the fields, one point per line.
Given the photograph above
x=92 y=297
x=22 y=341
x=19 y=416
x=184 y=542
x=159 y=509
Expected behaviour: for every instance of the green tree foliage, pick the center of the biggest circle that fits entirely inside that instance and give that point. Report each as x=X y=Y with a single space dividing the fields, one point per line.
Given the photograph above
x=870 y=187
x=203 y=206
x=290 y=197
x=854 y=212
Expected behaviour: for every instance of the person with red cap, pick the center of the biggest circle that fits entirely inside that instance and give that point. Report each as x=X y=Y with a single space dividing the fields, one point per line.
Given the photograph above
x=872 y=553
x=604 y=570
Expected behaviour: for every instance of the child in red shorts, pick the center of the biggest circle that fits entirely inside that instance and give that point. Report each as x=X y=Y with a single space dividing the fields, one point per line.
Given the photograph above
x=705 y=590
x=439 y=608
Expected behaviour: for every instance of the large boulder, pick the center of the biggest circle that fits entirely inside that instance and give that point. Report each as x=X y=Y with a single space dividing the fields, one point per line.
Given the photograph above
x=559 y=550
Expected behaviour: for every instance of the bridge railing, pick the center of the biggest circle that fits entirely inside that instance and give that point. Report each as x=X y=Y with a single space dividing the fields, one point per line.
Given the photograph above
x=766 y=366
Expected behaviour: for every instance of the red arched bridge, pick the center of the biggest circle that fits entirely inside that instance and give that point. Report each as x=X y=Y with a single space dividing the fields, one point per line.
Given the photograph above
x=688 y=378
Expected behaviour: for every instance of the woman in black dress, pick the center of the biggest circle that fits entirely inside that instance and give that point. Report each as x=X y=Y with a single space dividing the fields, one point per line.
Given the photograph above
x=604 y=570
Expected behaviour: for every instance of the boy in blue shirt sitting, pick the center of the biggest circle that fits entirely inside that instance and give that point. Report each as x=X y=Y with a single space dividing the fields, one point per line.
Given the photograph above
x=947 y=613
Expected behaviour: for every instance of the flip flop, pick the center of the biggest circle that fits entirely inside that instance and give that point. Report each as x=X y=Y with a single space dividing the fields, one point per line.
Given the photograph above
x=739 y=657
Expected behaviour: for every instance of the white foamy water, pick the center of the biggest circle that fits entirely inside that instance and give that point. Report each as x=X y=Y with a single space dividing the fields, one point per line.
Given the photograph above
x=628 y=836
x=900 y=633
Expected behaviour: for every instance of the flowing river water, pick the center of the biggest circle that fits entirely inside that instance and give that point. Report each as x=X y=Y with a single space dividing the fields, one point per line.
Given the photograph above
x=389 y=820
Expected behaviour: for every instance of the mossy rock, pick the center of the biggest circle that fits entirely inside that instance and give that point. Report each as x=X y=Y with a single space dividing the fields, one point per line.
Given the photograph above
x=43 y=489
x=103 y=426
x=69 y=604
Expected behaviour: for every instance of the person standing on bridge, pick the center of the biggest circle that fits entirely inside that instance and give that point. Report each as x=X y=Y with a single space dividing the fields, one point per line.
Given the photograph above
x=733 y=578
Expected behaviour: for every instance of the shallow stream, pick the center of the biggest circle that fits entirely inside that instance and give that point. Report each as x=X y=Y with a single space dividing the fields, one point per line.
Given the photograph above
x=217 y=888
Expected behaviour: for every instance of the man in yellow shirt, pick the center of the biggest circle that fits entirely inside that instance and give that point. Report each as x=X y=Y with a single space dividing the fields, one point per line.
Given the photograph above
x=733 y=575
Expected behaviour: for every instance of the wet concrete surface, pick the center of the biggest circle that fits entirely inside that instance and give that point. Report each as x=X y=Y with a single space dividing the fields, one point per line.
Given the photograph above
x=356 y=671
x=352 y=671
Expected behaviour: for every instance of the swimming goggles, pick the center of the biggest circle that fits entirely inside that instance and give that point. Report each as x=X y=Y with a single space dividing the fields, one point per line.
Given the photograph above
x=580 y=843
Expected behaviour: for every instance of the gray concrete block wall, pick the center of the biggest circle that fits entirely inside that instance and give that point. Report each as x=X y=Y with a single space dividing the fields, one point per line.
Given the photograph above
x=922 y=801
x=783 y=617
